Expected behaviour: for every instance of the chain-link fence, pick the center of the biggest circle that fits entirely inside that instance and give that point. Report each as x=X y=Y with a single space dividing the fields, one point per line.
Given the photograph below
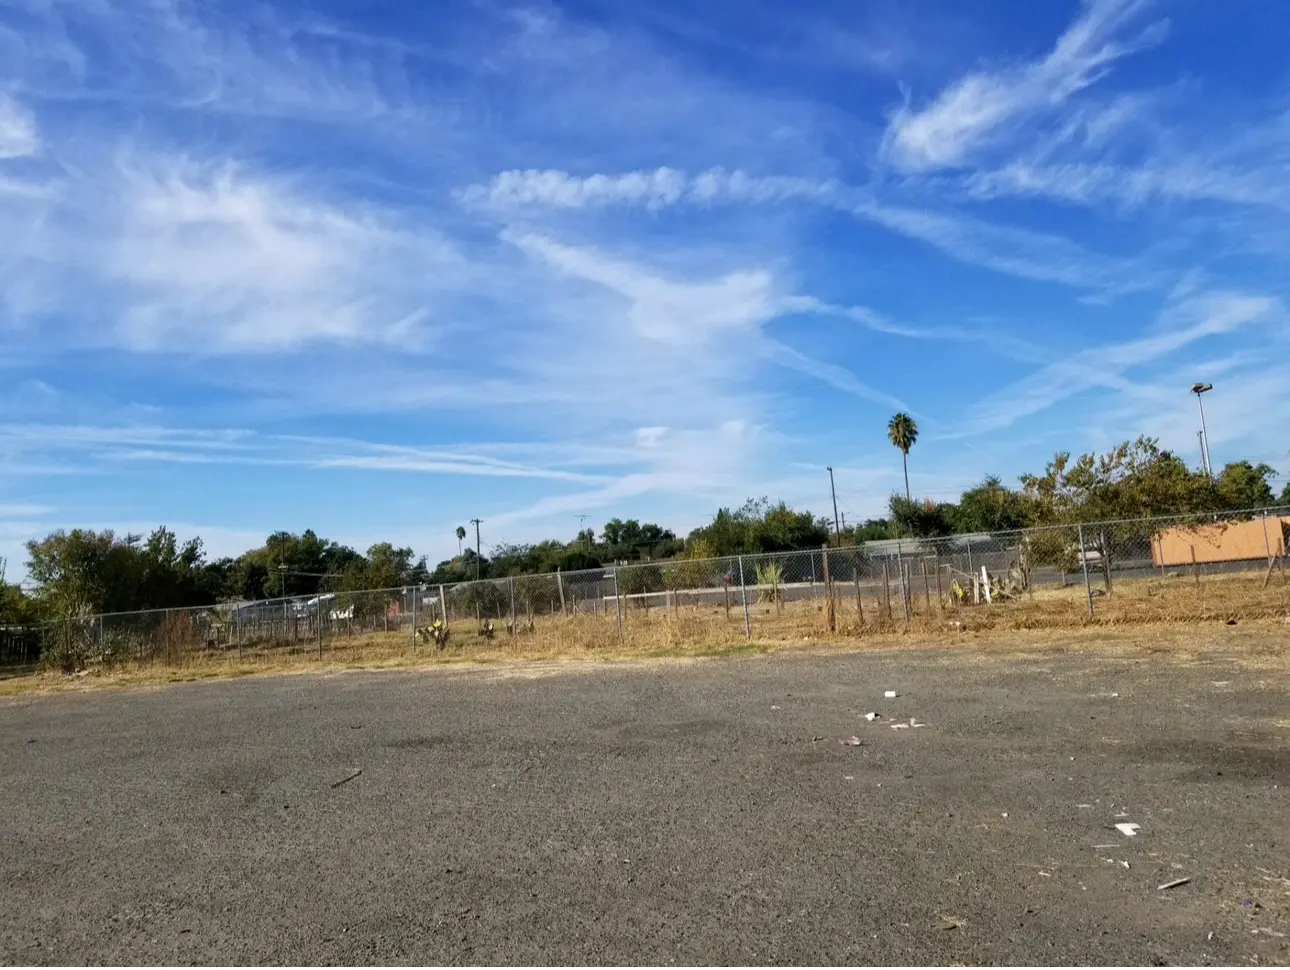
x=1133 y=571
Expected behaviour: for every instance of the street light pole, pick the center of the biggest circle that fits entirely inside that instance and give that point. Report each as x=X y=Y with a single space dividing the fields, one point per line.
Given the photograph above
x=476 y=524
x=1198 y=390
x=837 y=529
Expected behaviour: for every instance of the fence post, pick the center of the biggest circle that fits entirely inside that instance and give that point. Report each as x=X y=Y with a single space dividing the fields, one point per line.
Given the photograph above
x=904 y=585
x=443 y=606
x=830 y=612
x=1083 y=561
x=514 y=621
x=969 y=552
x=927 y=589
x=618 y=602
x=743 y=592
x=559 y=581
x=940 y=596
x=320 y=626
x=102 y=645
x=859 y=601
x=886 y=585
x=414 y=617
x=237 y=628
x=1195 y=569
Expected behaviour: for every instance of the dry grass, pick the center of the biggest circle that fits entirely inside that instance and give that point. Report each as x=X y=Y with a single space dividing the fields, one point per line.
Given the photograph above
x=1170 y=610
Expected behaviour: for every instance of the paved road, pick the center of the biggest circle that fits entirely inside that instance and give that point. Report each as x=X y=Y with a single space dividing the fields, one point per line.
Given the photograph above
x=668 y=813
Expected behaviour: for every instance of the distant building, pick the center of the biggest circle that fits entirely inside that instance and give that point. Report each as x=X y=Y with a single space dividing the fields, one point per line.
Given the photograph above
x=1220 y=542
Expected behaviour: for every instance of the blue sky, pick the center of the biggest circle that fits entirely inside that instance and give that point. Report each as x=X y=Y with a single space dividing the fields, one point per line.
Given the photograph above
x=378 y=269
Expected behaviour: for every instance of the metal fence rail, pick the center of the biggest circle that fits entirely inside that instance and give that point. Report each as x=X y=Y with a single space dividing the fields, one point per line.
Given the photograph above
x=1070 y=571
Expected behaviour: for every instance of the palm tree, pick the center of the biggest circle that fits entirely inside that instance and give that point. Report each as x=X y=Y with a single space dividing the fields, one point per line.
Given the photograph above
x=902 y=431
x=461 y=536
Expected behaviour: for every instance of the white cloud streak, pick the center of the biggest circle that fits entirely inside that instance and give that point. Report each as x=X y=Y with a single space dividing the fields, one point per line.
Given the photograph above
x=107 y=446
x=980 y=107
x=1004 y=249
x=18 y=134
x=1183 y=323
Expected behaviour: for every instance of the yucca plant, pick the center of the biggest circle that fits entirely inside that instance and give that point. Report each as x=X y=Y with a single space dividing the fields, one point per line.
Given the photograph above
x=770 y=577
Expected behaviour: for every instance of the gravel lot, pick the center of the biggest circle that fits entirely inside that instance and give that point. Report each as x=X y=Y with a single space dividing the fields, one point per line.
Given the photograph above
x=700 y=812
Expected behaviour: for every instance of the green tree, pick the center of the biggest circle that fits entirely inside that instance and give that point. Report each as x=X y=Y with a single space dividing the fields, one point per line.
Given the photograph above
x=1131 y=481
x=872 y=530
x=1242 y=485
x=758 y=526
x=83 y=572
x=902 y=431
x=921 y=520
x=990 y=507
x=461 y=537
x=16 y=608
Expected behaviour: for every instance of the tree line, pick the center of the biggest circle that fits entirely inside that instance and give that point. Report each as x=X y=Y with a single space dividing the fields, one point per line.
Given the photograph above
x=82 y=572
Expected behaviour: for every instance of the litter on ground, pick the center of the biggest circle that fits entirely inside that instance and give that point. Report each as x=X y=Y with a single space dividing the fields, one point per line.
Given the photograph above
x=1127 y=828
x=890 y=693
x=1175 y=883
x=853 y=742
x=871 y=716
x=348 y=778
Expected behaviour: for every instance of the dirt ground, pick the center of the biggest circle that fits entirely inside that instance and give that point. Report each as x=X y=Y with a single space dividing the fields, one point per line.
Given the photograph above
x=690 y=811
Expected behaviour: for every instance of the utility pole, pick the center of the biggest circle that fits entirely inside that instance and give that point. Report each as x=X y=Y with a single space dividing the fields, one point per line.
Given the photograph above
x=837 y=528
x=476 y=524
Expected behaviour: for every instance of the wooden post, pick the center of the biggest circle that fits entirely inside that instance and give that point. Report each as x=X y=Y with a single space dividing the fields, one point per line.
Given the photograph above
x=559 y=581
x=985 y=584
x=927 y=589
x=618 y=601
x=725 y=584
x=514 y=618
x=831 y=616
x=902 y=568
x=940 y=595
x=1083 y=562
x=1195 y=569
x=743 y=595
x=443 y=606
x=886 y=587
x=859 y=601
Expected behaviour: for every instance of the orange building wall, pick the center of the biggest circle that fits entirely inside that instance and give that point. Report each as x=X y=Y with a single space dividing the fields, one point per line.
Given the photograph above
x=1220 y=542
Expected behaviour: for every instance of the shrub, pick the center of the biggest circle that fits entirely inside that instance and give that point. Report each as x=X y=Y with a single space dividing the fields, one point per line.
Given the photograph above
x=770 y=574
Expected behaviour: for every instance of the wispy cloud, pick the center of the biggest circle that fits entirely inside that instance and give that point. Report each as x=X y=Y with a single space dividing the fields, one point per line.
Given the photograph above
x=18 y=135
x=1183 y=322
x=216 y=258
x=1019 y=252
x=651 y=189
x=101 y=446
x=978 y=107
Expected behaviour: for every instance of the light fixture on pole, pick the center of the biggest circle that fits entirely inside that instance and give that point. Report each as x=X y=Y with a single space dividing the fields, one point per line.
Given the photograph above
x=1198 y=389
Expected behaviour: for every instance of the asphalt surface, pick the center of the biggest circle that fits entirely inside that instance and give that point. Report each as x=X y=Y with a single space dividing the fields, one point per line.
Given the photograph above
x=676 y=813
